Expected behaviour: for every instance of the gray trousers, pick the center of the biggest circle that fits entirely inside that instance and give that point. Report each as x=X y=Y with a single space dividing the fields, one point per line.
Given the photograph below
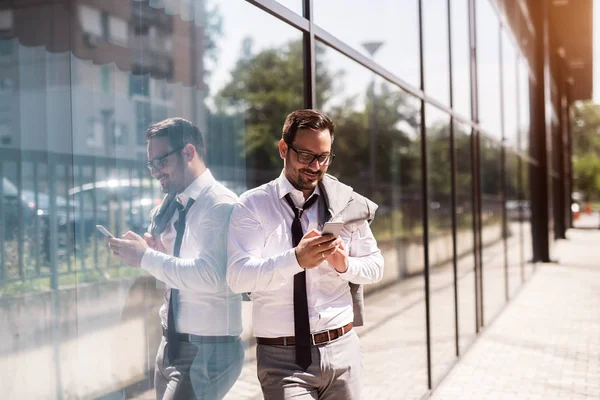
x=334 y=373
x=200 y=371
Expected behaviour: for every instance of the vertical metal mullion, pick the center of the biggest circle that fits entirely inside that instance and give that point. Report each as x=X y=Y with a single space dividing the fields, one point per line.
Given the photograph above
x=474 y=162
x=424 y=201
x=453 y=186
x=503 y=165
x=108 y=210
x=21 y=214
x=52 y=221
x=2 y=222
x=82 y=221
x=68 y=231
x=521 y=190
x=36 y=223
x=310 y=64
x=131 y=194
x=94 y=210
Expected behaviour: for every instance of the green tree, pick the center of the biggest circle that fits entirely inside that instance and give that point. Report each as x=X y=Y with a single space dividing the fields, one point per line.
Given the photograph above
x=585 y=117
x=265 y=87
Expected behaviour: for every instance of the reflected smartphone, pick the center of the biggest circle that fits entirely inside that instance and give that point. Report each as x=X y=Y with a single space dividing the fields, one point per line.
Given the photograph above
x=333 y=228
x=105 y=232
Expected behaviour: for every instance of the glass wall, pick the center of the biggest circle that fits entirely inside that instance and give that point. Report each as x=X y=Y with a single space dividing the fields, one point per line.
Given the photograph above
x=378 y=153
x=465 y=236
x=493 y=268
x=436 y=62
x=393 y=42
x=515 y=215
x=488 y=67
x=461 y=56
x=82 y=80
x=440 y=244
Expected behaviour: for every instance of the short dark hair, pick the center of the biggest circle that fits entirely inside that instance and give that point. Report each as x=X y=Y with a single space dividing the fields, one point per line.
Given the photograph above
x=179 y=132
x=306 y=119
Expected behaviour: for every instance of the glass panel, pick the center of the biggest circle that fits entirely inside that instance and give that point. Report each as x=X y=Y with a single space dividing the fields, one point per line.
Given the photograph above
x=465 y=239
x=392 y=42
x=491 y=229
x=294 y=5
x=377 y=148
x=436 y=64
x=441 y=270
x=509 y=87
x=526 y=225
x=516 y=211
x=461 y=56
x=488 y=67
x=74 y=108
x=524 y=131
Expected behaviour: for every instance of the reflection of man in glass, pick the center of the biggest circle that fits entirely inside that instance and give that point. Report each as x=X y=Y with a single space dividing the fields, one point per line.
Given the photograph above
x=303 y=282
x=200 y=355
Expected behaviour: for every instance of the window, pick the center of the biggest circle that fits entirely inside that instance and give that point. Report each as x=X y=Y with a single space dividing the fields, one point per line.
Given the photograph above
x=90 y=21
x=118 y=31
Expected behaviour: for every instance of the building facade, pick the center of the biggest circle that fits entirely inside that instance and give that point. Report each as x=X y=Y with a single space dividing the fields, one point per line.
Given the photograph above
x=452 y=115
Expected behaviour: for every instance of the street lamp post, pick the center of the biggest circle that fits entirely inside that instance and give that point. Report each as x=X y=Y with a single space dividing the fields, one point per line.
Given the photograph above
x=371 y=48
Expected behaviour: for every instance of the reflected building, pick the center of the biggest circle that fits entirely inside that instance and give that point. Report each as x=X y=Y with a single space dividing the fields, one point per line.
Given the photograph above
x=94 y=75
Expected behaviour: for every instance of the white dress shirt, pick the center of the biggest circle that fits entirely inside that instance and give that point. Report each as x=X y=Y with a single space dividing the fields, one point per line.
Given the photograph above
x=206 y=306
x=263 y=261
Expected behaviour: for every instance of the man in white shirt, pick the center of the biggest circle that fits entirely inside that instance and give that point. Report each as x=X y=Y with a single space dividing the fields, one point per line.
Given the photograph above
x=298 y=278
x=201 y=354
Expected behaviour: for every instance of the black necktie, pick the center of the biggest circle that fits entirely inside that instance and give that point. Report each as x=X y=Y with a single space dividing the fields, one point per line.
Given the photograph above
x=301 y=322
x=174 y=297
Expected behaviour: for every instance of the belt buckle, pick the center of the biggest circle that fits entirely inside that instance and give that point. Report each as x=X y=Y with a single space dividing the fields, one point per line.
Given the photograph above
x=318 y=333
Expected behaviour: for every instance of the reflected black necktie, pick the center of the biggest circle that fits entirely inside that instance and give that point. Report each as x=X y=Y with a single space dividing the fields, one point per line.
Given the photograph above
x=174 y=297
x=301 y=322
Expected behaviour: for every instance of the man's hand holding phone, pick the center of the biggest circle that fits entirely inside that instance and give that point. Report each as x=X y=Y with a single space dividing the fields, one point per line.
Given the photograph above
x=130 y=249
x=339 y=257
x=314 y=248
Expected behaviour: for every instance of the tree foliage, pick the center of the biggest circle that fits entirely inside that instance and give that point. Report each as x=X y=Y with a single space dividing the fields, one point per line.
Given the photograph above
x=585 y=117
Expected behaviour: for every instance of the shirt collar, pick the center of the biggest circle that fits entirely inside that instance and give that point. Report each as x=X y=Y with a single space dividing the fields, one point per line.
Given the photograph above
x=195 y=188
x=284 y=187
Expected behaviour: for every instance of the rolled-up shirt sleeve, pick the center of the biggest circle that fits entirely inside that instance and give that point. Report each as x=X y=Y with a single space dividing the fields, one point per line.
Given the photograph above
x=247 y=271
x=206 y=272
x=365 y=261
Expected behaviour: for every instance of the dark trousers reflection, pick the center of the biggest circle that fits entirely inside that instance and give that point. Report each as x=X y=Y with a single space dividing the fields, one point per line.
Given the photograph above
x=204 y=368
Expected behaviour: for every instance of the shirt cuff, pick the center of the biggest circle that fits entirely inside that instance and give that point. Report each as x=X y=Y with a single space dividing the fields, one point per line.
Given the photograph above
x=288 y=264
x=152 y=261
x=352 y=271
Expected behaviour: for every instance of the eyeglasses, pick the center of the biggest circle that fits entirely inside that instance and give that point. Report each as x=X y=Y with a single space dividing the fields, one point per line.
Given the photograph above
x=159 y=162
x=305 y=157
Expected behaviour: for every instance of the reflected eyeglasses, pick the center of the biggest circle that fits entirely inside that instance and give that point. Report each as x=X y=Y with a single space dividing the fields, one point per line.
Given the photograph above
x=159 y=162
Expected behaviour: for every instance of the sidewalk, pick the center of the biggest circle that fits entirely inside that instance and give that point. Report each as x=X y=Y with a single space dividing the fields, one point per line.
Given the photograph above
x=546 y=343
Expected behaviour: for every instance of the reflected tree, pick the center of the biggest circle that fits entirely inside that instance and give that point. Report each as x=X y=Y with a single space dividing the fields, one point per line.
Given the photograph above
x=265 y=87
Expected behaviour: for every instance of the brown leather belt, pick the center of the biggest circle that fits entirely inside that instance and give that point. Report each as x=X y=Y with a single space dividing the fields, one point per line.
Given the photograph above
x=190 y=338
x=316 y=338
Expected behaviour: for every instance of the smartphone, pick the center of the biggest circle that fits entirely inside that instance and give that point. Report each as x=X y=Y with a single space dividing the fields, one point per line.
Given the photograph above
x=105 y=232
x=333 y=228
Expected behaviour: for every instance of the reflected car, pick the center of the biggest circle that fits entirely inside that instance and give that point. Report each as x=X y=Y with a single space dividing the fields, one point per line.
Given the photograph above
x=113 y=199
x=518 y=210
x=14 y=209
